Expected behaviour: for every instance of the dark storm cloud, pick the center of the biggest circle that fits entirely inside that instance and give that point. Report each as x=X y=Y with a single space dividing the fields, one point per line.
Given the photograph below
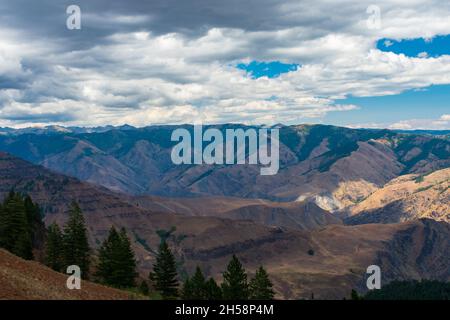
x=12 y=82
x=100 y=18
x=40 y=117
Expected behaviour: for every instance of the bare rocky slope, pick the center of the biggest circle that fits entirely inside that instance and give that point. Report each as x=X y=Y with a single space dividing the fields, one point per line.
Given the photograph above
x=328 y=260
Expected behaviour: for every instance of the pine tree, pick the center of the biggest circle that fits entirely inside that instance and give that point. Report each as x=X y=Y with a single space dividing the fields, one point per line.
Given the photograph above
x=14 y=227
x=35 y=223
x=117 y=264
x=75 y=241
x=107 y=257
x=128 y=271
x=198 y=285
x=213 y=291
x=197 y=288
x=54 y=248
x=187 y=290
x=260 y=286
x=164 y=273
x=234 y=286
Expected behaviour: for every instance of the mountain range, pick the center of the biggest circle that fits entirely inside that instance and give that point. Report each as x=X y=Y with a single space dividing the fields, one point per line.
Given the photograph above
x=335 y=167
x=343 y=199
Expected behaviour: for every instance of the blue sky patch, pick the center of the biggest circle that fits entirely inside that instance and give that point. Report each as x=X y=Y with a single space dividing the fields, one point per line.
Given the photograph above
x=258 y=69
x=427 y=103
x=435 y=47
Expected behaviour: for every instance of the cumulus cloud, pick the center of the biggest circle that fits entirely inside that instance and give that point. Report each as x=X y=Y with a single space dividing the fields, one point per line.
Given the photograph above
x=174 y=62
x=442 y=123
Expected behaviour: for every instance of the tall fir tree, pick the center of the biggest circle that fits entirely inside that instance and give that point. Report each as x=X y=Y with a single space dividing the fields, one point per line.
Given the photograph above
x=187 y=290
x=15 y=233
x=35 y=224
x=195 y=288
x=164 y=275
x=117 y=263
x=128 y=261
x=75 y=241
x=213 y=291
x=235 y=286
x=260 y=286
x=198 y=285
x=108 y=257
x=54 y=248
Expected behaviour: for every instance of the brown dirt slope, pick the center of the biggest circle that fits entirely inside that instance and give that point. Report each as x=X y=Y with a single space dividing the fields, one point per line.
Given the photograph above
x=406 y=198
x=29 y=280
x=301 y=215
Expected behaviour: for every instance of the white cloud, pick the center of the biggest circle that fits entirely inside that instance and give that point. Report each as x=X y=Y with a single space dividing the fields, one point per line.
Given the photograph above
x=388 y=43
x=140 y=77
x=435 y=124
x=442 y=123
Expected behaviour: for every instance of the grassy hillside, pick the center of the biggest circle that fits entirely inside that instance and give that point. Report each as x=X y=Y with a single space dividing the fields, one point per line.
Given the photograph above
x=30 y=280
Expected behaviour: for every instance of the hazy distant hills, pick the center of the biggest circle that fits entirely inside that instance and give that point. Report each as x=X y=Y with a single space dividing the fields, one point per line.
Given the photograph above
x=430 y=132
x=325 y=257
x=55 y=129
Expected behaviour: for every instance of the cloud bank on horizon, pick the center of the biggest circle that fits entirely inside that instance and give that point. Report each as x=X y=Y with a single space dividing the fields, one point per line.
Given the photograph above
x=258 y=61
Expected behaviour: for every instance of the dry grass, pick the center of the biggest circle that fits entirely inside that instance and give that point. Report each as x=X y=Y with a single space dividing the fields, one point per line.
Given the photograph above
x=29 y=280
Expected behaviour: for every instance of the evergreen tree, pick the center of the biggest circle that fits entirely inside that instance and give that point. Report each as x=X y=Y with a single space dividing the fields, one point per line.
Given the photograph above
x=128 y=261
x=35 y=224
x=164 y=273
x=108 y=254
x=117 y=264
x=198 y=288
x=14 y=227
x=260 y=286
x=54 y=248
x=213 y=291
x=234 y=286
x=198 y=285
x=187 y=290
x=75 y=241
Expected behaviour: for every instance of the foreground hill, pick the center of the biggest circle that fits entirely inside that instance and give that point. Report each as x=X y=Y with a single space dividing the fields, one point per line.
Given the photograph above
x=29 y=280
x=405 y=198
x=328 y=261
x=335 y=167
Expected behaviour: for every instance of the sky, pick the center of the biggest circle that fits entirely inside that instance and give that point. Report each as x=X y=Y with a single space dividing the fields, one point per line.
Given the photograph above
x=383 y=64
